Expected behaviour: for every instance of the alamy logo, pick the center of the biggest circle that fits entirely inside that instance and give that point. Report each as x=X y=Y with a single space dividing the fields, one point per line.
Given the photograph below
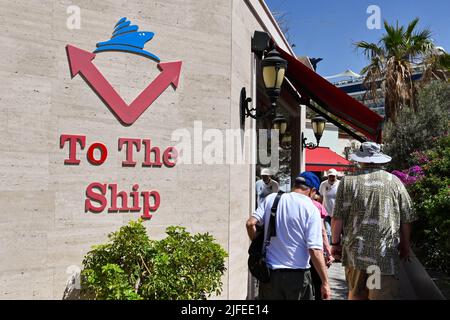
x=374 y=20
x=374 y=279
x=125 y=38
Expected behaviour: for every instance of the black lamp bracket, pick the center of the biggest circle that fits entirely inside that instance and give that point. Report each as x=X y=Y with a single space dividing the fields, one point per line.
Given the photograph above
x=261 y=43
x=246 y=111
x=309 y=145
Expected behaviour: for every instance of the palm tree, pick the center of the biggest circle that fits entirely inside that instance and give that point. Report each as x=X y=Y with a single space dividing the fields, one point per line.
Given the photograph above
x=393 y=60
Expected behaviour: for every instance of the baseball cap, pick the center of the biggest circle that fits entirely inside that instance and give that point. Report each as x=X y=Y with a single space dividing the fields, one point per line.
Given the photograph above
x=308 y=179
x=266 y=172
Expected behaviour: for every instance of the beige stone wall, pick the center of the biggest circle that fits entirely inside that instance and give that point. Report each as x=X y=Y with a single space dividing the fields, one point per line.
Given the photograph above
x=43 y=226
x=244 y=25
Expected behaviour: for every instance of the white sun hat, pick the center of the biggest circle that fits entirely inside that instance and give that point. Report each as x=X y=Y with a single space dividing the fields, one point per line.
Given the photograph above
x=266 y=172
x=370 y=152
x=332 y=172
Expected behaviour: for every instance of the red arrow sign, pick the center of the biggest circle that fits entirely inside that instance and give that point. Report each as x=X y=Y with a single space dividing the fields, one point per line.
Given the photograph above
x=80 y=61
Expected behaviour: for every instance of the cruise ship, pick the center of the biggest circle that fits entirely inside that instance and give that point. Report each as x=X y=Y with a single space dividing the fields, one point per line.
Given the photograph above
x=352 y=84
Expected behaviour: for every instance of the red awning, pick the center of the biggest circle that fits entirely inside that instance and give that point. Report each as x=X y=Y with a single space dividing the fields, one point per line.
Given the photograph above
x=322 y=159
x=333 y=99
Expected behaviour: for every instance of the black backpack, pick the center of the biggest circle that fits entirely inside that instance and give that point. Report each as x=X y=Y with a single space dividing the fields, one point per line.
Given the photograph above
x=257 y=250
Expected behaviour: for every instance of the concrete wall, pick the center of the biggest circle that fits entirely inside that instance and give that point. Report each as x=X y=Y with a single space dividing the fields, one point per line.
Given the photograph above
x=247 y=17
x=43 y=226
x=241 y=176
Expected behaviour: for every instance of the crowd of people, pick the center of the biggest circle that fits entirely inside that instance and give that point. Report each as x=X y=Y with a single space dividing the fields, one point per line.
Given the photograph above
x=362 y=220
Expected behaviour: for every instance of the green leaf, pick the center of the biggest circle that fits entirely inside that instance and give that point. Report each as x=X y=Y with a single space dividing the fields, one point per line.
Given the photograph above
x=180 y=266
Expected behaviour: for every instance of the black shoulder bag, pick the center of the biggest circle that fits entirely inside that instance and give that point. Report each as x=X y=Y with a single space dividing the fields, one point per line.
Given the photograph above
x=257 y=250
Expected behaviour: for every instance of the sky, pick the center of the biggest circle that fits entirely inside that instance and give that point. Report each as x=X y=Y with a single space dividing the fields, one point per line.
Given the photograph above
x=328 y=28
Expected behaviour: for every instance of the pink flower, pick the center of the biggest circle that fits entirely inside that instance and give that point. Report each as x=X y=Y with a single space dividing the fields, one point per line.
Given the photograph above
x=416 y=171
x=421 y=157
x=408 y=177
x=401 y=175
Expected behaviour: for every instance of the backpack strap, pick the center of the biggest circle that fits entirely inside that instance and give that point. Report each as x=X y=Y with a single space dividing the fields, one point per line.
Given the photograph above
x=271 y=228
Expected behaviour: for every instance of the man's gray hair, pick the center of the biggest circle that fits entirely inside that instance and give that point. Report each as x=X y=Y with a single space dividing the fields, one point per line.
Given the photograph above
x=301 y=186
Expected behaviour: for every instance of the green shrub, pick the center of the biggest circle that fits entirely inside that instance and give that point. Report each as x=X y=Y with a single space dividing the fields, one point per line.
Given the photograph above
x=431 y=195
x=426 y=128
x=133 y=267
x=415 y=129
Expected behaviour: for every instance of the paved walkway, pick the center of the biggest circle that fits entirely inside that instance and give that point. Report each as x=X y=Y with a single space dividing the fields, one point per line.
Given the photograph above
x=413 y=280
x=336 y=274
x=338 y=284
x=415 y=283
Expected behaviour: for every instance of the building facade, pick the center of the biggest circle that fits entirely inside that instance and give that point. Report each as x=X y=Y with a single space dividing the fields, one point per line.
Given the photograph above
x=57 y=201
x=117 y=110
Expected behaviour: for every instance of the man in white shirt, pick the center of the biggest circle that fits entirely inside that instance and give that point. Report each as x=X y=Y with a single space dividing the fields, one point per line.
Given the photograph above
x=265 y=186
x=327 y=191
x=298 y=239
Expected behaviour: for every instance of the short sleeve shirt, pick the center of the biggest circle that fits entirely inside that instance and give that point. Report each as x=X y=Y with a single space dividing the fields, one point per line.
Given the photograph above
x=322 y=210
x=263 y=189
x=372 y=206
x=328 y=193
x=298 y=229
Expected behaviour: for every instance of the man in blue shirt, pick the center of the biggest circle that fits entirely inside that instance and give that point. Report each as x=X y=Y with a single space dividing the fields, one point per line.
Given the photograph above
x=298 y=238
x=265 y=186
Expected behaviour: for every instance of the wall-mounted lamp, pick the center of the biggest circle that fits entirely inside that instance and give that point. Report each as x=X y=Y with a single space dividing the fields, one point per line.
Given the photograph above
x=318 y=126
x=279 y=123
x=286 y=141
x=273 y=71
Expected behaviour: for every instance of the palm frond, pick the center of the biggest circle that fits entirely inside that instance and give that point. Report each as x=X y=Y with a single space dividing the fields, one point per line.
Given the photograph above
x=370 y=50
x=444 y=61
x=411 y=26
x=393 y=41
x=393 y=60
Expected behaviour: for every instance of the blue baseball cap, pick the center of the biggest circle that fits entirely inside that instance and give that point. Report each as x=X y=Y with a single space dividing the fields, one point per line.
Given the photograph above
x=308 y=179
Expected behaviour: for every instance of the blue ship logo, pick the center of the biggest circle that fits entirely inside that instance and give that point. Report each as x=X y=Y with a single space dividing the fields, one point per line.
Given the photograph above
x=127 y=38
